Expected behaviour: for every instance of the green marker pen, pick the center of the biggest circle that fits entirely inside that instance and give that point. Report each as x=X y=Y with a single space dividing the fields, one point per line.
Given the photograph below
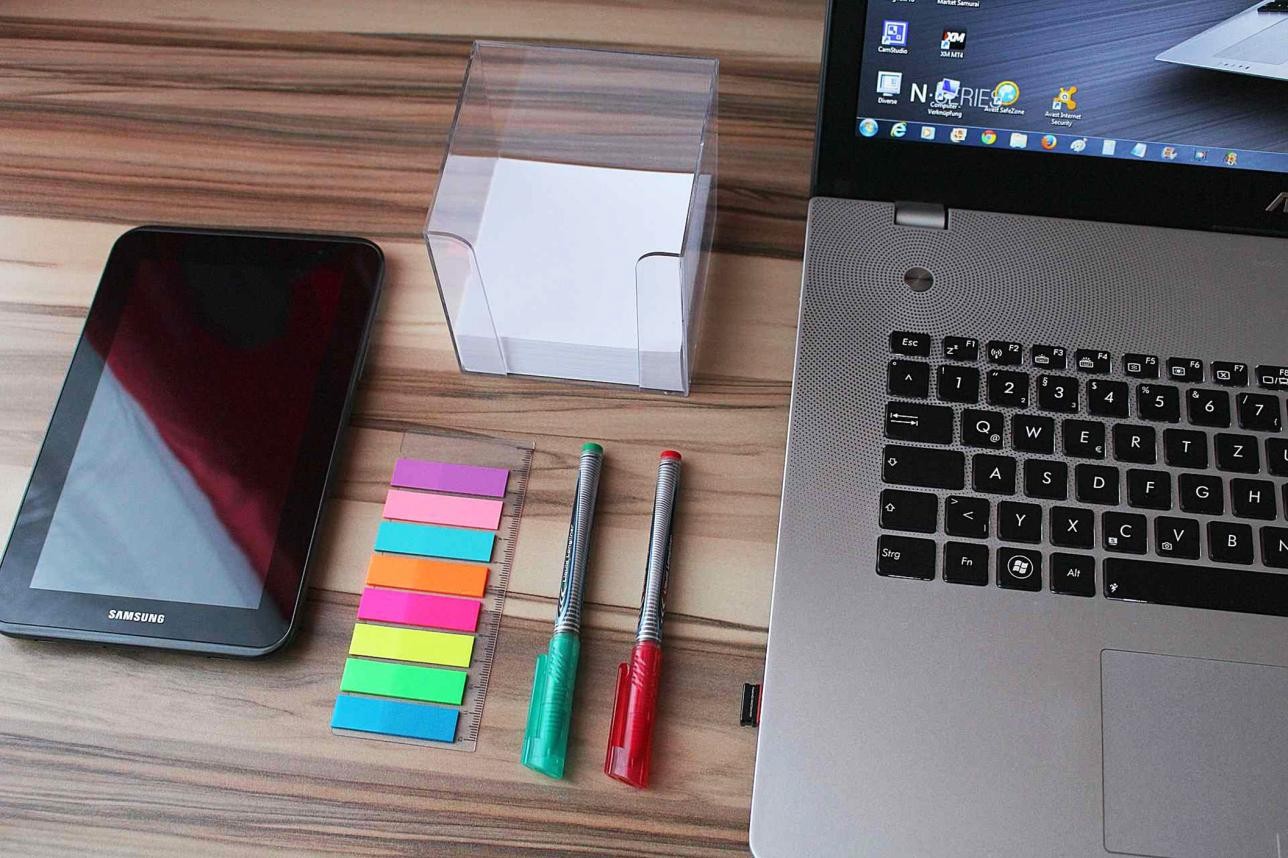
x=545 y=741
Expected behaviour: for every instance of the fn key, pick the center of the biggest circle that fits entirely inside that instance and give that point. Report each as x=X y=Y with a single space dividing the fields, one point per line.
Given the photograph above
x=905 y=557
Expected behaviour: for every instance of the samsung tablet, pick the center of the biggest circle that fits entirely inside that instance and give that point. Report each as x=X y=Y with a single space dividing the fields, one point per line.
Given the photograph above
x=176 y=498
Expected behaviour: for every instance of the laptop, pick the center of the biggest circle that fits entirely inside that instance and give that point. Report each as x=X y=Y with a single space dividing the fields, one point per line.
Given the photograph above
x=1254 y=42
x=1031 y=595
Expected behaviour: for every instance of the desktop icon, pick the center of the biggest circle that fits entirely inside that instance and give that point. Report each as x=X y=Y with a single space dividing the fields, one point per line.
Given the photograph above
x=1079 y=145
x=1140 y=150
x=953 y=40
x=927 y=132
x=1049 y=142
x=894 y=34
x=898 y=129
x=1170 y=153
x=1019 y=140
x=1109 y=147
x=889 y=83
x=869 y=127
x=1006 y=93
x=957 y=135
x=989 y=137
x=948 y=92
x=1064 y=99
x=1232 y=159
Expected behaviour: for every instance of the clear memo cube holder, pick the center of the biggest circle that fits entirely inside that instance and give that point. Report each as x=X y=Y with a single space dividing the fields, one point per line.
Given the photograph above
x=571 y=229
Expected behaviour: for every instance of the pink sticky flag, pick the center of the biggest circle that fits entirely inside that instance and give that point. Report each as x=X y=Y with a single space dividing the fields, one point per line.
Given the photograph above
x=419 y=609
x=442 y=509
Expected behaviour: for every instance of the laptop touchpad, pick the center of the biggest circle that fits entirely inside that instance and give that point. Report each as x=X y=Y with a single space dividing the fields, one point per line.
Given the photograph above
x=1196 y=756
x=1269 y=46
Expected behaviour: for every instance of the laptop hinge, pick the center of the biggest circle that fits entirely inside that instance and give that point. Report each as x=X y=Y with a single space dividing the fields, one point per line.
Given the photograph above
x=921 y=215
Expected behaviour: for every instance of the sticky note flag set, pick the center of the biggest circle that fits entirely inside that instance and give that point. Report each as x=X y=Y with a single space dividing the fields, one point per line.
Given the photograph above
x=420 y=650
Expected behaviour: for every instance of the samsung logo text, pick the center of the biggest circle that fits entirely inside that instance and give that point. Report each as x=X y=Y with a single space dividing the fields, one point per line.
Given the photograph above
x=135 y=616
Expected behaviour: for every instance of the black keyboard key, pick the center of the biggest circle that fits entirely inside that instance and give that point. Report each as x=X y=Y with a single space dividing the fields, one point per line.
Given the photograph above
x=1253 y=499
x=905 y=557
x=1201 y=494
x=1033 y=434
x=1185 y=586
x=1176 y=537
x=924 y=468
x=966 y=516
x=994 y=475
x=1229 y=543
x=1073 y=574
x=1185 y=448
x=1084 y=439
x=1277 y=457
x=1135 y=444
x=1058 y=393
x=1140 y=366
x=1072 y=527
x=904 y=343
x=1107 y=398
x=1159 y=402
x=1208 y=408
x=1274 y=547
x=1046 y=480
x=1124 y=532
x=1097 y=484
x=1049 y=357
x=1230 y=374
x=1238 y=453
x=1091 y=360
x=1272 y=377
x=916 y=512
x=1259 y=412
x=911 y=421
x=961 y=348
x=965 y=563
x=1188 y=370
x=1019 y=522
x=907 y=378
x=958 y=384
x=1008 y=389
x=1149 y=489
x=1019 y=569
x=982 y=428
x=1009 y=354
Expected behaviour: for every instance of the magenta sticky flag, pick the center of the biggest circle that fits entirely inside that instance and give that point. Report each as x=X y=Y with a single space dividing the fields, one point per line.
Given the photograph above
x=447 y=477
x=403 y=505
x=419 y=609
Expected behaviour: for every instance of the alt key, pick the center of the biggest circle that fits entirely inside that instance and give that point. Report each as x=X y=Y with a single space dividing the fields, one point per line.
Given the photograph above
x=1073 y=574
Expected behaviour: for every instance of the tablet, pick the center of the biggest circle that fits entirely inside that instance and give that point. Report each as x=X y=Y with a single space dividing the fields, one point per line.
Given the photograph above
x=176 y=497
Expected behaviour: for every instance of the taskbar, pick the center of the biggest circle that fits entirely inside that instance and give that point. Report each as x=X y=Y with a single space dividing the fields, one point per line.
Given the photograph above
x=1074 y=144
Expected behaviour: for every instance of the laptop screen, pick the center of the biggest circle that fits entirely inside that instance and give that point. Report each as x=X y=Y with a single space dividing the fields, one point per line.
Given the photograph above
x=1198 y=82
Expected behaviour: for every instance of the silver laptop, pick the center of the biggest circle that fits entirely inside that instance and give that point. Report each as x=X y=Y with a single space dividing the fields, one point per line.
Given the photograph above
x=1254 y=42
x=1032 y=584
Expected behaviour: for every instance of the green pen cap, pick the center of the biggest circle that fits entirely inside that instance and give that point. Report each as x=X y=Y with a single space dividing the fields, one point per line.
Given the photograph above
x=545 y=741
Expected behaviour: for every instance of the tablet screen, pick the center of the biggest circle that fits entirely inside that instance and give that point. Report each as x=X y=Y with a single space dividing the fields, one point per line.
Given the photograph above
x=175 y=491
x=186 y=461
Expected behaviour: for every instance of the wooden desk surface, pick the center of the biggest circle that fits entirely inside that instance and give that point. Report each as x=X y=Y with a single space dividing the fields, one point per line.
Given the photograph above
x=329 y=115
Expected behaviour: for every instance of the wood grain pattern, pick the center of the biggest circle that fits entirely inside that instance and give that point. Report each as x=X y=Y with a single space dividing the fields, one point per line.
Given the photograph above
x=332 y=116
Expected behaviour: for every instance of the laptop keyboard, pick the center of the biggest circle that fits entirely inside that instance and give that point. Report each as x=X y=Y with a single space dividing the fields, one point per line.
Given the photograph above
x=1018 y=465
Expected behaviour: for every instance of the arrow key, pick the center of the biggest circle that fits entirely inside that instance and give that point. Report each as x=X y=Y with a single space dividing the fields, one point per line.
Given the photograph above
x=915 y=512
x=966 y=516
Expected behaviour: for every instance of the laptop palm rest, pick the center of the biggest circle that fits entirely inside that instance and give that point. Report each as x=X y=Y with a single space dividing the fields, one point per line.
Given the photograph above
x=1195 y=756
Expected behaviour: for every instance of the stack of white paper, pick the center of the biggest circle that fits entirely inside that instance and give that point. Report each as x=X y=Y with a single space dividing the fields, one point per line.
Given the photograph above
x=559 y=253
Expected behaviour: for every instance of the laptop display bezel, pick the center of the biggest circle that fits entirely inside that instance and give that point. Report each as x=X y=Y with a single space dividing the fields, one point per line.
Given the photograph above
x=850 y=166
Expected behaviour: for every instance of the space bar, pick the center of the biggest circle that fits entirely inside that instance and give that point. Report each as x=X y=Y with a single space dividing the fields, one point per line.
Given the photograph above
x=1196 y=587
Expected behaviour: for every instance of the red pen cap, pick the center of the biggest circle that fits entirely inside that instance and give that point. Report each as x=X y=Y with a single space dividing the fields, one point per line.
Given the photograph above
x=630 y=738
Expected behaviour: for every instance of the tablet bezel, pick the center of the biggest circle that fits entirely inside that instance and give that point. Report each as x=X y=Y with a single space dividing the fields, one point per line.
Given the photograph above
x=29 y=612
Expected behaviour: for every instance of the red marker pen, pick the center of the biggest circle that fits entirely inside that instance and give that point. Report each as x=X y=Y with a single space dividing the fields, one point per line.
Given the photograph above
x=630 y=738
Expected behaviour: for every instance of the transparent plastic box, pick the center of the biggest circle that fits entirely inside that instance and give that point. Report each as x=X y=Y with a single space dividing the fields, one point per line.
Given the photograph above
x=571 y=229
